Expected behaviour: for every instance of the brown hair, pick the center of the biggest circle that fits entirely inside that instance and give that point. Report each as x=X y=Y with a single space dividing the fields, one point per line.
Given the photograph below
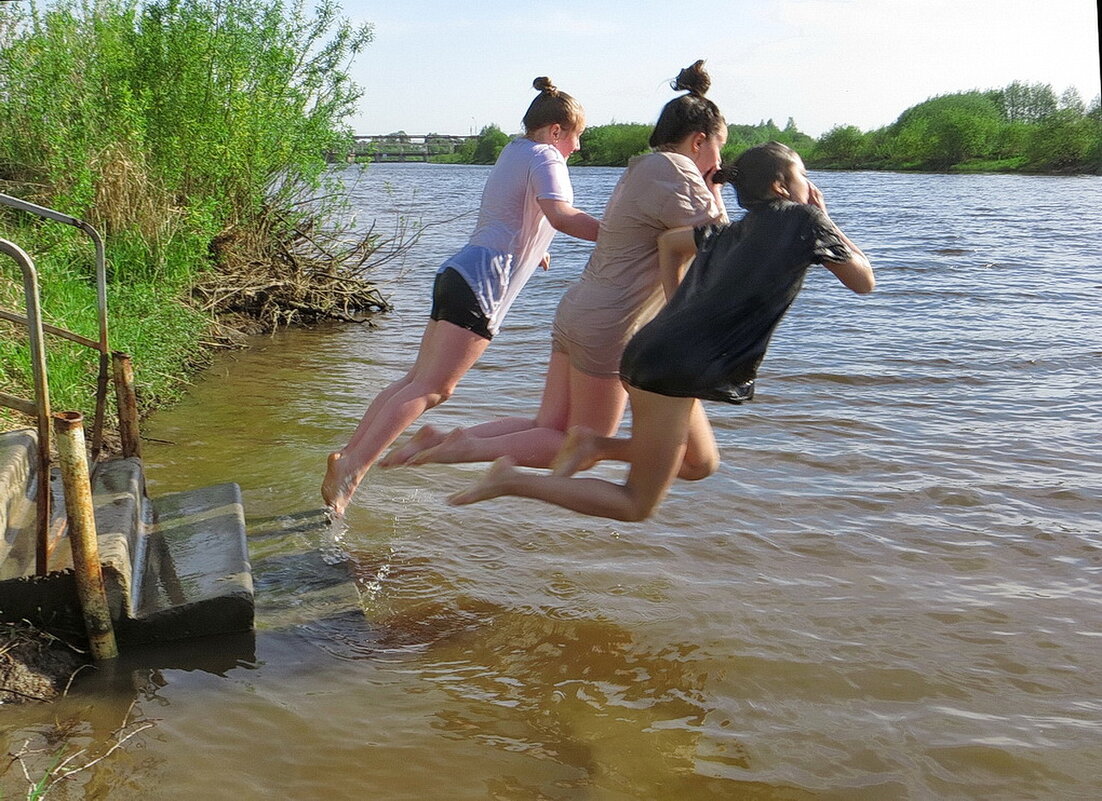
x=754 y=172
x=552 y=106
x=689 y=113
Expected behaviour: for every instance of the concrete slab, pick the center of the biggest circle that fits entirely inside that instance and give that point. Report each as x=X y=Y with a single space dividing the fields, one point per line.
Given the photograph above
x=196 y=576
x=174 y=568
x=18 y=465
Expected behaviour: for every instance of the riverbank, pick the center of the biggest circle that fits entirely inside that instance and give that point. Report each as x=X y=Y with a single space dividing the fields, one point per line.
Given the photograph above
x=212 y=196
x=34 y=665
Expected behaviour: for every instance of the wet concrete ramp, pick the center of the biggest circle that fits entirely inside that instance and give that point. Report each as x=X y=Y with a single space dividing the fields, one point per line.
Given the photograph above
x=175 y=567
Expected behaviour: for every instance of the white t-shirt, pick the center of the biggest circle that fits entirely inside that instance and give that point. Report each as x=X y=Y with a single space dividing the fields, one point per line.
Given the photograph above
x=512 y=234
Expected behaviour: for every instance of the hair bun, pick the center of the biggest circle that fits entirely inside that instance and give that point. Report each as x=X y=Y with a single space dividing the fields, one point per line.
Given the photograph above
x=543 y=84
x=694 y=79
x=725 y=174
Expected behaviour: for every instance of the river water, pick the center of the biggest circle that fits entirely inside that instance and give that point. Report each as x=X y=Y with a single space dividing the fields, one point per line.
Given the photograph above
x=890 y=590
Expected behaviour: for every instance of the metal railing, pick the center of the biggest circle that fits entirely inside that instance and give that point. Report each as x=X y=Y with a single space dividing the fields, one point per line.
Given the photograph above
x=101 y=308
x=39 y=407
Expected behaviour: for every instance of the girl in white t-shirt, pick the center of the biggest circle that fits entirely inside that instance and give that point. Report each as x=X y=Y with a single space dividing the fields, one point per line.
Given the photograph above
x=527 y=198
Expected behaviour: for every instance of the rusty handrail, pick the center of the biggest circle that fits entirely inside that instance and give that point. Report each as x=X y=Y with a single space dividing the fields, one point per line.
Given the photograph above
x=41 y=402
x=101 y=307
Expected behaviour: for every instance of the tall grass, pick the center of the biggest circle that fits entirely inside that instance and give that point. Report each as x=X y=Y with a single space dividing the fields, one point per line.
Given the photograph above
x=174 y=127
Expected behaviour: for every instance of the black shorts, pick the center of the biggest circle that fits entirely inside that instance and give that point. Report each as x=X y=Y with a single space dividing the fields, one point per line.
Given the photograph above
x=454 y=301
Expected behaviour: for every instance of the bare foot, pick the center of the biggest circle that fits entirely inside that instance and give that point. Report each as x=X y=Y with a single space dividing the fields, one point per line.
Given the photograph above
x=578 y=452
x=338 y=485
x=449 y=450
x=492 y=484
x=426 y=437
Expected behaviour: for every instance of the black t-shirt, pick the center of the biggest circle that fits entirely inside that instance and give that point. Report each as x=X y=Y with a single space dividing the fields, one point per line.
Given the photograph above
x=708 y=341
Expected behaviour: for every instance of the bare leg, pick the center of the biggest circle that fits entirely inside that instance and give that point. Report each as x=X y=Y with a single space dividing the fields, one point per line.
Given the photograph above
x=570 y=398
x=701 y=453
x=422 y=449
x=582 y=448
x=660 y=429
x=447 y=352
x=426 y=437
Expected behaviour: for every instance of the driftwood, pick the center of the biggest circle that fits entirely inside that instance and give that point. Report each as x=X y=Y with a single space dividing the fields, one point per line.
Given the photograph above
x=292 y=271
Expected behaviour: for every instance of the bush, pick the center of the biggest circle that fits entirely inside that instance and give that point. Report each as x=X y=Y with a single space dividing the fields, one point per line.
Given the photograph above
x=612 y=145
x=491 y=141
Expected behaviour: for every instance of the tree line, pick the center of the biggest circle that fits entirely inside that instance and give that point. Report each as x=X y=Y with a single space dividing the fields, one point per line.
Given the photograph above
x=1019 y=128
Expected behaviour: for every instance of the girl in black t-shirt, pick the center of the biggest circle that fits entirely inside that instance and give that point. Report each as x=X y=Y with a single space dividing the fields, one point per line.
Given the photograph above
x=706 y=343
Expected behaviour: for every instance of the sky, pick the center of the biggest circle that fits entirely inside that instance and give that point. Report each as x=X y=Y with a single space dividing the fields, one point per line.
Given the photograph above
x=454 y=66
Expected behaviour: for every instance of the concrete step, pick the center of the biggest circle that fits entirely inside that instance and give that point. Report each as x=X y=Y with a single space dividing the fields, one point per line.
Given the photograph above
x=197 y=579
x=175 y=567
x=301 y=574
x=17 y=476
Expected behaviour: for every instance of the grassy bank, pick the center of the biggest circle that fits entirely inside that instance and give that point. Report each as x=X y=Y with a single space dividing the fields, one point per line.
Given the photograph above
x=191 y=134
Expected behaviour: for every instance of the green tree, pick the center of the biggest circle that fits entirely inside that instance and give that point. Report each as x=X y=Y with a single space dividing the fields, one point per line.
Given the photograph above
x=612 y=145
x=1022 y=102
x=192 y=133
x=1070 y=100
x=1064 y=141
x=841 y=146
x=212 y=107
x=491 y=141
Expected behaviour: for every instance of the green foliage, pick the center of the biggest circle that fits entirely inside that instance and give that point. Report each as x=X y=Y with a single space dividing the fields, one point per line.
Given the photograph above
x=612 y=145
x=206 y=99
x=841 y=147
x=1021 y=127
x=1022 y=102
x=741 y=137
x=491 y=141
x=170 y=125
x=1064 y=141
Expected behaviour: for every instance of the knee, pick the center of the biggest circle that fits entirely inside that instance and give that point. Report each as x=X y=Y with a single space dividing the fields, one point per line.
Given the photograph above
x=638 y=509
x=637 y=515
x=441 y=395
x=700 y=468
x=434 y=395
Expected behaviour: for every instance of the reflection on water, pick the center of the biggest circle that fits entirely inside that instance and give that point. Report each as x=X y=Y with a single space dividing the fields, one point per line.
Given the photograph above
x=890 y=590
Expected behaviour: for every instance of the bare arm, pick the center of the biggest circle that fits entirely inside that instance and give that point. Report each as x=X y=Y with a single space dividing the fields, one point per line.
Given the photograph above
x=564 y=217
x=676 y=248
x=855 y=273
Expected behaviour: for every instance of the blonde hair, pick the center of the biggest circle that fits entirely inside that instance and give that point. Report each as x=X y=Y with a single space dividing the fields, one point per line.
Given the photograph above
x=551 y=107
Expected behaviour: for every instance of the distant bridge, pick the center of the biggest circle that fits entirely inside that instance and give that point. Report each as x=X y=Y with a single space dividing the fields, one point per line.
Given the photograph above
x=403 y=147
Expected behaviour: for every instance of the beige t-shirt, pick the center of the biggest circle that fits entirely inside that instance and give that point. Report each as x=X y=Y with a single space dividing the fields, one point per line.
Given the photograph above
x=621 y=289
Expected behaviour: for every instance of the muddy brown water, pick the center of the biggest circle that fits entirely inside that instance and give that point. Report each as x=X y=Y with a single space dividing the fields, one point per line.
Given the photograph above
x=889 y=591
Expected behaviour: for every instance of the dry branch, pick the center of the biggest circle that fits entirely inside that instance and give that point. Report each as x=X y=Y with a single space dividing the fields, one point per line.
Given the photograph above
x=285 y=270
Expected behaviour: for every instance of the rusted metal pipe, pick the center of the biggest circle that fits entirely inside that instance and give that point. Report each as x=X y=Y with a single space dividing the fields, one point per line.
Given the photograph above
x=41 y=399
x=127 y=400
x=51 y=329
x=73 y=460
